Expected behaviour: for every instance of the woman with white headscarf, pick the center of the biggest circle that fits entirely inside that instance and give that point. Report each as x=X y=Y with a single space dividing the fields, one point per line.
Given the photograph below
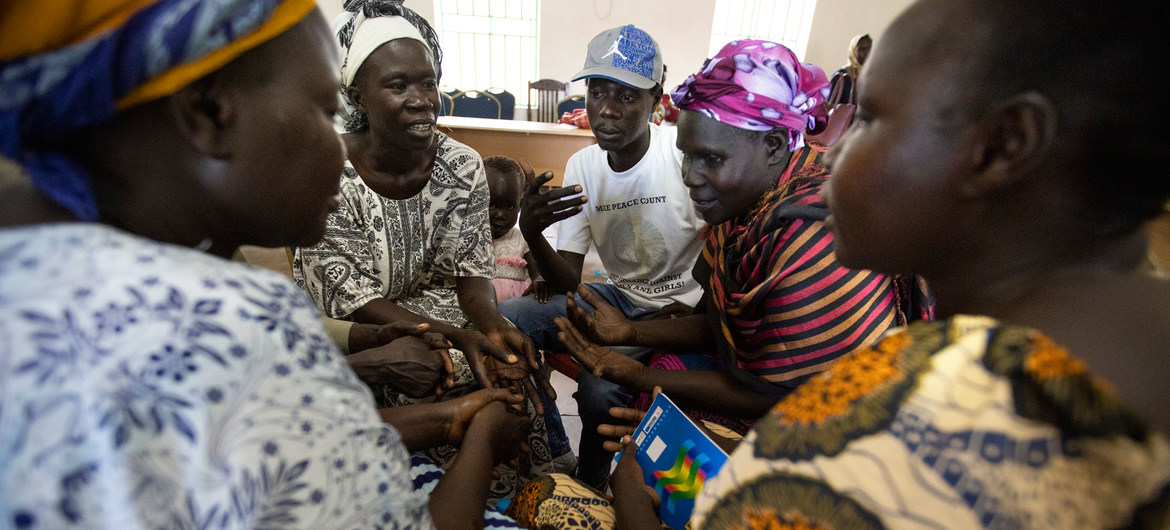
x=411 y=240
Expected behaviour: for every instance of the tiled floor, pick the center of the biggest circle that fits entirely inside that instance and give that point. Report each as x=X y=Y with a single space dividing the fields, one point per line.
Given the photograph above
x=568 y=406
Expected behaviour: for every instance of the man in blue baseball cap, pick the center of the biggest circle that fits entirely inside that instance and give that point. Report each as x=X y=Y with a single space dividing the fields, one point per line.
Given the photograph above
x=625 y=196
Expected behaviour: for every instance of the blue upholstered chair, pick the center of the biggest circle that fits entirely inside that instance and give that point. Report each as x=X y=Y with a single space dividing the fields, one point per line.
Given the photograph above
x=507 y=102
x=569 y=104
x=476 y=104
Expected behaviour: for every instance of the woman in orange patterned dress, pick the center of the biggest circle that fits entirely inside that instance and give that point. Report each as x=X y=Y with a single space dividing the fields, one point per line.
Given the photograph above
x=1038 y=400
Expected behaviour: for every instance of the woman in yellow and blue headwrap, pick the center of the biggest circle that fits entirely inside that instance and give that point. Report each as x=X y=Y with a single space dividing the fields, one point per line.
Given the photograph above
x=145 y=383
x=72 y=64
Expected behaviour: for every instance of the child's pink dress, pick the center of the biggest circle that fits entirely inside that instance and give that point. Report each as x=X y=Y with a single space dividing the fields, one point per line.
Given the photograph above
x=511 y=273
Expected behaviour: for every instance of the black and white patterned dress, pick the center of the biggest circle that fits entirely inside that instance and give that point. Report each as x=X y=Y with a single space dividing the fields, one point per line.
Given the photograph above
x=409 y=251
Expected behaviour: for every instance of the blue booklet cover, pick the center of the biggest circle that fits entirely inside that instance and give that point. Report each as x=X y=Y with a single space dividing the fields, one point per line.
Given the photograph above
x=676 y=458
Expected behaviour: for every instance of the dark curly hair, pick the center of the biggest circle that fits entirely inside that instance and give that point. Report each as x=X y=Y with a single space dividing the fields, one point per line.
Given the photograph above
x=506 y=166
x=357 y=120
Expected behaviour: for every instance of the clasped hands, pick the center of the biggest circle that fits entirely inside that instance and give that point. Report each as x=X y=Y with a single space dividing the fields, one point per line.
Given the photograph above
x=416 y=362
x=484 y=415
x=500 y=368
x=404 y=356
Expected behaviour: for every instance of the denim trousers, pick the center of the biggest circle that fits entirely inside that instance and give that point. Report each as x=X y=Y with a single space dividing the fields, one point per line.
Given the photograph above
x=594 y=396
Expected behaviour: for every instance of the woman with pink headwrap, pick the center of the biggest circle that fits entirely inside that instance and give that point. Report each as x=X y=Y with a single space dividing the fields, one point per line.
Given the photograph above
x=777 y=306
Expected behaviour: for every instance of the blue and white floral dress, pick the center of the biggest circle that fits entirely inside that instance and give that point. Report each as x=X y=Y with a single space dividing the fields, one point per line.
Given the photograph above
x=145 y=385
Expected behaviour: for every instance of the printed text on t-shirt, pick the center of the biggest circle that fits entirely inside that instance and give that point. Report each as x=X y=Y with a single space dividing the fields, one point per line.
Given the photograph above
x=661 y=199
x=648 y=286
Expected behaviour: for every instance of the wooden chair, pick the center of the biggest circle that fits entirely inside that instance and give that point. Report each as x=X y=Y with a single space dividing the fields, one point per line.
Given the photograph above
x=476 y=104
x=507 y=102
x=569 y=104
x=548 y=93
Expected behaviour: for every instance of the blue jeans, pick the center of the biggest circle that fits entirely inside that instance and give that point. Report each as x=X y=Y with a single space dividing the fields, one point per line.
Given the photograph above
x=594 y=396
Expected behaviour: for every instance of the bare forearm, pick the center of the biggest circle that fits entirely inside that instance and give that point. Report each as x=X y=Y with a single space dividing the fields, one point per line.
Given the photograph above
x=559 y=272
x=383 y=311
x=477 y=300
x=533 y=270
x=362 y=337
x=459 y=499
x=686 y=333
x=714 y=391
x=421 y=426
x=635 y=510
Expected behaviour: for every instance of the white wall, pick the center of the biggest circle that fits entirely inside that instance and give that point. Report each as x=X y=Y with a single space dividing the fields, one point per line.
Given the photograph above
x=835 y=22
x=681 y=27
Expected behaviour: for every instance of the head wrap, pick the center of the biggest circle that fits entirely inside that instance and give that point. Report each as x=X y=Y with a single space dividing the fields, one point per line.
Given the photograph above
x=367 y=24
x=369 y=35
x=854 y=65
x=70 y=64
x=757 y=85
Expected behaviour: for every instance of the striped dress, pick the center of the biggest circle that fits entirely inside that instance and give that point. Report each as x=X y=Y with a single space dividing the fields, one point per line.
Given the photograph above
x=780 y=305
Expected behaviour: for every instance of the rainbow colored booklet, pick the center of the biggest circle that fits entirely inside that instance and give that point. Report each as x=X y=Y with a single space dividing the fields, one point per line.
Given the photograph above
x=676 y=458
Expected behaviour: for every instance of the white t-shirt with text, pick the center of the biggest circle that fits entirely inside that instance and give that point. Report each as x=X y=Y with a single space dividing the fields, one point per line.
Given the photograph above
x=641 y=220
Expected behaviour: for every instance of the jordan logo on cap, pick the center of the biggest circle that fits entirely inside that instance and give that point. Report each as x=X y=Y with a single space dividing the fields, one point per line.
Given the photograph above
x=614 y=49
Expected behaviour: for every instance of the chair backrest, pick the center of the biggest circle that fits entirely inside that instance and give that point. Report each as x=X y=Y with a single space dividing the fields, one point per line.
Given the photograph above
x=569 y=104
x=476 y=104
x=448 y=104
x=548 y=93
x=507 y=102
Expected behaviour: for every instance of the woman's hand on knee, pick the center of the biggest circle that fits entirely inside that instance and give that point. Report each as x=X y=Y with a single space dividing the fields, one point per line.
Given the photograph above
x=409 y=365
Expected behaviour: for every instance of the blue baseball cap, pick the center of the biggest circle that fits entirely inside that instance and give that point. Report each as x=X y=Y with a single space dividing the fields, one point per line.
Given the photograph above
x=627 y=55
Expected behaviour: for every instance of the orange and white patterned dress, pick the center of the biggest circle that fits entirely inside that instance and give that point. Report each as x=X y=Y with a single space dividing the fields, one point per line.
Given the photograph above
x=963 y=423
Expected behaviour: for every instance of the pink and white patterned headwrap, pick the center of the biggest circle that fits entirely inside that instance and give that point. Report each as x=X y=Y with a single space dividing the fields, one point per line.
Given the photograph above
x=757 y=85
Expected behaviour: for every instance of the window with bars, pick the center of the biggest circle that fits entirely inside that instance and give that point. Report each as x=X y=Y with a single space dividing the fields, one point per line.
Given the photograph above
x=489 y=43
x=784 y=21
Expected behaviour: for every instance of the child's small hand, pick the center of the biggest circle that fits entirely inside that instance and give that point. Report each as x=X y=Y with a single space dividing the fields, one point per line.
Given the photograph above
x=540 y=290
